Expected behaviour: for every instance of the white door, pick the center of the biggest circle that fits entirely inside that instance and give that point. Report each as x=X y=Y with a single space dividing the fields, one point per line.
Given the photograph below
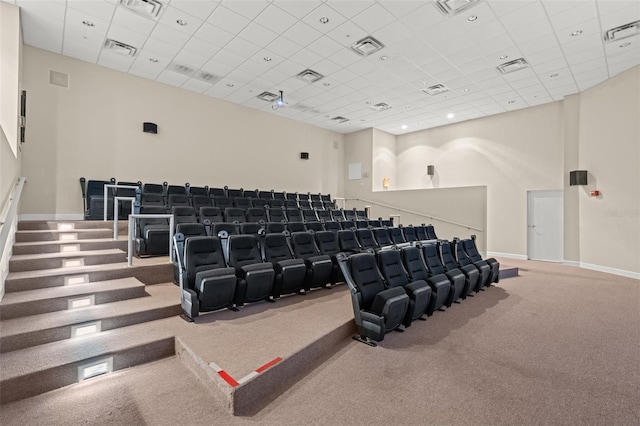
x=544 y=225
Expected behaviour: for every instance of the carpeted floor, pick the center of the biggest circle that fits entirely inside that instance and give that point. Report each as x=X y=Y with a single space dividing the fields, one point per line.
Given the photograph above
x=557 y=345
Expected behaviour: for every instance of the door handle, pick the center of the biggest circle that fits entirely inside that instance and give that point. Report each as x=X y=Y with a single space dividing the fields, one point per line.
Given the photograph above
x=531 y=226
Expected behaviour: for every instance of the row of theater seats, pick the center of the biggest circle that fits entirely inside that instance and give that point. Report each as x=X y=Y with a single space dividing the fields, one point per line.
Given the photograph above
x=152 y=234
x=227 y=271
x=187 y=195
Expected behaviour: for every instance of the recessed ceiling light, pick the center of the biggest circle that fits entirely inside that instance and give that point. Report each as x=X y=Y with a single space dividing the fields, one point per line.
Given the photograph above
x=576 y=33
x=181 y=22
x=407 y=107
x=324 y=20
x=466 y=90
x=511 y=102
x=625 y=44
x=326 y=84
x=267 y=58
x=450 y=115
x=154 y=60
x=553 y=75
x=384 y=58
x=404 y=127
x=88 y=23
x=230 y=85
x=503 y=57
x=472 y=18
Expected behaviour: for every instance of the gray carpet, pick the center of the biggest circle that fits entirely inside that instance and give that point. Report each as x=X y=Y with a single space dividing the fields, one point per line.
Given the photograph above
x=557 y=345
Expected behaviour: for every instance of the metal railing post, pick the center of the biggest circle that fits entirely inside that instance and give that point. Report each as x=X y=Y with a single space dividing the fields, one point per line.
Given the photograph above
x=106 y=187
x=115 y=213
x=132 y=227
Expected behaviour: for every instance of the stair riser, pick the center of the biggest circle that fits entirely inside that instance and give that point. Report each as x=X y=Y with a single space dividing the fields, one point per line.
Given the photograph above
x=34 y=384
x=83 y=246
x=41 y=337
x=152 y=274
x=29 y=237
x=83 y=224
x=37 y=264
x=19 y=310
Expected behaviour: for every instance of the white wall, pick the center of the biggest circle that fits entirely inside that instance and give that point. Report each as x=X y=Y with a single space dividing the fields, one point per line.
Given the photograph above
x=94 y=129
x=384 y=161
x=508 y=153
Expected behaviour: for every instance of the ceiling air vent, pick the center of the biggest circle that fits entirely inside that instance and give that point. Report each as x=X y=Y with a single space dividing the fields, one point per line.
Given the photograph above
x=120 y=48
x=380 y=107
x=206 y=77
x=436 y=89
x=340 y=119
x=623 y=31
x=268 y=96
x=149 y=8
x=181 y=69
x=453 y=7
x=367 y=46
x=512 y=66
x=310 y=76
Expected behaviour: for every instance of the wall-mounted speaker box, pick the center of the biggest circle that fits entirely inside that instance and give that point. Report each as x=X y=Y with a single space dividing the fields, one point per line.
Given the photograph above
x=431 y=170
x=150 y=128
x=578 y=177
x=304 y=155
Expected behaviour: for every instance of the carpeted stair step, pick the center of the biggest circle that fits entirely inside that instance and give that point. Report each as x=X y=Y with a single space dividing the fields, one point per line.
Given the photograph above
x=35 y=302
x=32 y=371
x=33 y=262
x=38 y=247
x=18 y=333
x=508 y=272
x=66 y=235
x=150 y=273
x=42 y=225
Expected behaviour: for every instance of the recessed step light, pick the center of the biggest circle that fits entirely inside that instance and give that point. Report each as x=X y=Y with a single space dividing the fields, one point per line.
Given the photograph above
x=68 y=237
x=72 y=263
x=66 y=226
x=76 y=279
x=86 y=329
x=95 y=368
x=66 y=248
x=81 y=302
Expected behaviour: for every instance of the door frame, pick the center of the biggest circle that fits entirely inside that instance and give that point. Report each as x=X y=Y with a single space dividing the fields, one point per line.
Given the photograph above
x=530 y=194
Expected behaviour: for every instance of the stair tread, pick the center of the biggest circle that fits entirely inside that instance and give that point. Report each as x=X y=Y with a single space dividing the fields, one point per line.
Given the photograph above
x=39 y=358
x=161 y=296
x=74 y=270
x=66 y=254
x=69 y=290
x=66 y=231
x=63 y=242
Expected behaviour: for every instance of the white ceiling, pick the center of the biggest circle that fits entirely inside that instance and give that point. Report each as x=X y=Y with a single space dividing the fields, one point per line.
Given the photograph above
x=231 y=39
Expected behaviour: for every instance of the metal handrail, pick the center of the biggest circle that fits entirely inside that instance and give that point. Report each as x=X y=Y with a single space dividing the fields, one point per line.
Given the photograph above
x=132 y=227
x=415 y=213
x=115 y=212
x=7 y=226
x=106 y=187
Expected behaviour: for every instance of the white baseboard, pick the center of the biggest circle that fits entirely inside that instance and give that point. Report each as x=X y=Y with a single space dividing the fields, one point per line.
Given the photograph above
x=507 y=255
x=574 y=263
x=56 y=216
x=605 y=269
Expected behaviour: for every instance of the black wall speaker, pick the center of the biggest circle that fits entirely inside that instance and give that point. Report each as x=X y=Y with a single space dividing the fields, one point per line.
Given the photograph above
x=578 y=177
x=431 y=170
x=150 y=128
x=304 y=155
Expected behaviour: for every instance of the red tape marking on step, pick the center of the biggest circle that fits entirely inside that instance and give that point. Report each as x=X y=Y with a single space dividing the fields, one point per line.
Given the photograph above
x=227 y=378
x=268 y=365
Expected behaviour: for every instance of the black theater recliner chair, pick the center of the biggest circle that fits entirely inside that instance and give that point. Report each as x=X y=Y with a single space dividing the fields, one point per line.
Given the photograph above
x=419 y=292
x=255 y=278
x=206 y=283
x=187 y=230
x=417 y=270
x=319 y=266
x=328 y=245
x=464 y=260
x=290 y=272
x=471 y=273
x=431 y=253
x=472 y=250
x=93 y=195
x=152 y=233
x=376 y=310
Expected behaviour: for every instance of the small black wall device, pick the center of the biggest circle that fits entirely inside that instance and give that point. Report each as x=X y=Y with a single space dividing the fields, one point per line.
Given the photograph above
x=150 y=128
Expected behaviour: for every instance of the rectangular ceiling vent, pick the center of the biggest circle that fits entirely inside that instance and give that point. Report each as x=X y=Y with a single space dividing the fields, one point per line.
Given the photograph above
x=207 y=77
x=380 y=107
x=367 y=46
x=268 y=96
x=512 y=66
x=120 y=48
x=181 y=69
x=310 y=76
x=340 y=119
x=623 y=31
x=149 y=8
x=436 y=89
x=453 y=7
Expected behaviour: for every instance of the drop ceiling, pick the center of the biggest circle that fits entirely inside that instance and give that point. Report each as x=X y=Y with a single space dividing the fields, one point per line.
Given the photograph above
x=434 y=59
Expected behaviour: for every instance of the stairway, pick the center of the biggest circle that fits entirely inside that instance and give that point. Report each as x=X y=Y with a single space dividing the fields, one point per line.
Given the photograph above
x=72 y=307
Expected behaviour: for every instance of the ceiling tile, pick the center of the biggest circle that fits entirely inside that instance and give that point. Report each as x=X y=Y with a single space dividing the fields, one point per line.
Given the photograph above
x=275 y=19
x=227 y=19
x=247 y=8
x=195 y=85
x=97 y=9
x=347 y=33
x=302 y=34
x=306 y=58
x=132 y=21
x=350 y=8
x=81 y=51
x=242 y=48
x=229 y=58
x=373 y=18
x=523 y=16
x=258 y=35
x=214 y=35
x=199 y=8
x=620 y=16
x=578 y=13
x=169 y=35
x=501 y=7
x=283 y=47
x=297 y=8
x=161 y=48
x=124 y=35
x=191 y=59
x=313 y=19
x=180 y=21
x=200 y=47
